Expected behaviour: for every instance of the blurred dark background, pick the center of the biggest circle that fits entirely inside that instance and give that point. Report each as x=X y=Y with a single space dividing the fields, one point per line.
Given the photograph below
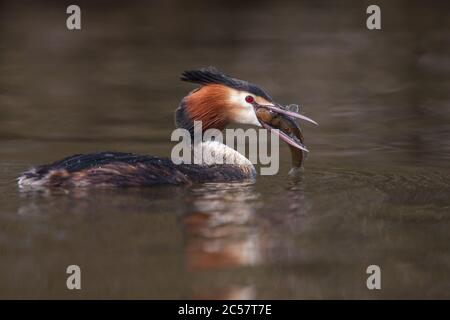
x=383 y=92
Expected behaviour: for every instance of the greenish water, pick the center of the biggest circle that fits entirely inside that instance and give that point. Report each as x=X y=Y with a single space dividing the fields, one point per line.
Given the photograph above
x=376 y=188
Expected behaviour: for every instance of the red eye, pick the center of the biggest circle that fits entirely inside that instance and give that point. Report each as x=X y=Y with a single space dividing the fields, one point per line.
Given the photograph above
x=249 y=99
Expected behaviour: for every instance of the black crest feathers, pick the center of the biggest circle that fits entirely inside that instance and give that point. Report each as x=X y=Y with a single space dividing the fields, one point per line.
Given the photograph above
x=211 y=75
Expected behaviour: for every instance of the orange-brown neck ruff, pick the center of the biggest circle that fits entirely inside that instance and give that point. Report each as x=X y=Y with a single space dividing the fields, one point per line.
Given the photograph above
x=211 y=105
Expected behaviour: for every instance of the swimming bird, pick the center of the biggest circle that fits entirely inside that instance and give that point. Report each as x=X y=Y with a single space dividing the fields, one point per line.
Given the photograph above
x=218 y=101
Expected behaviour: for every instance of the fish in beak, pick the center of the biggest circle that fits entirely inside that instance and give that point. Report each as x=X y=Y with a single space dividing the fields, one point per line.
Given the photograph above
x=283 y=118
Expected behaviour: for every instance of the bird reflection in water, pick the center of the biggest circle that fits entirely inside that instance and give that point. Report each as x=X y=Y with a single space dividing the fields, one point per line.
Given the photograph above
x=226 y=228
x=221 y=233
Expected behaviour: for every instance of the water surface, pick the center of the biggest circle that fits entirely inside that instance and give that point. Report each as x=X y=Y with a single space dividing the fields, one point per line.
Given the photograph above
x=376 y=188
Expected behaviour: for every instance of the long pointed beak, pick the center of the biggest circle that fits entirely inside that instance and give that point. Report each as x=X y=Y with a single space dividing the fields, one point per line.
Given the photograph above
x=283 y=136
x=278 y=109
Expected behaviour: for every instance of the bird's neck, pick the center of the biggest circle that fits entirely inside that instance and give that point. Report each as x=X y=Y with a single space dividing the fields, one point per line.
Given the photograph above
x=214 y=152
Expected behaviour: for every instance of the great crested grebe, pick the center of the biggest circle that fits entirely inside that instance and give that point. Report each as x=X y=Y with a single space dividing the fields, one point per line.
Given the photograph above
x=218 y=101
